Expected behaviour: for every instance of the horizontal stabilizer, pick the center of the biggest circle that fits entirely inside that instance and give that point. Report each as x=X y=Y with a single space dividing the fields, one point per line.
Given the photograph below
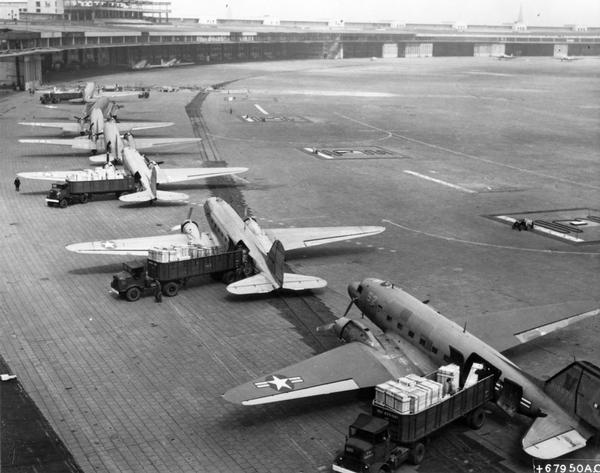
x=146 y=143
x=260 y=284
x=548 y=438
x=299 y=282
x=146 y=196
x=257 y=284
x=124 y=127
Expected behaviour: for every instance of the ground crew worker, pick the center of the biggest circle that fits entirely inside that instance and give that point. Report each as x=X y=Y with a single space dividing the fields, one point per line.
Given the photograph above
x=17 y=183
x=157 y=291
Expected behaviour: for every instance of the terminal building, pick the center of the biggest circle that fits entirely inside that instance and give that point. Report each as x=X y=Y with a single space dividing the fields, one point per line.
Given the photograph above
x=75 y=34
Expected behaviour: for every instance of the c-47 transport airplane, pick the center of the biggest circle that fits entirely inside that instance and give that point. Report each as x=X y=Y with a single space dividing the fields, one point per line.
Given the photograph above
x=227 y=229
x=108 y=140
x=417 y=339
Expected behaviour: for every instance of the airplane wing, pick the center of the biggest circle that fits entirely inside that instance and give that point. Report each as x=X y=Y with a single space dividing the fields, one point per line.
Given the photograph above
x=124 y=127
x=68 y=127
x=54 y=176
x=167 y=176
x=146 y=143
x=293 y=238
x=549 y=437
x=345 y=368
x=75 y=143
x=128 y=246
x=507 y=329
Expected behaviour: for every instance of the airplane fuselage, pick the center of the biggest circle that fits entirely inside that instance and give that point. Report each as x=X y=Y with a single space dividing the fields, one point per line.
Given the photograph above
x=443 y=341
x=229 y=229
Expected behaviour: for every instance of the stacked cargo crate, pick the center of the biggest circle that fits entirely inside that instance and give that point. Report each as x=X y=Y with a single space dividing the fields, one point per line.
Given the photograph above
x=412 y=393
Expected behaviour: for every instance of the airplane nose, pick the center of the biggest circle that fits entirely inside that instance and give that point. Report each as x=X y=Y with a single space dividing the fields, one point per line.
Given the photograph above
x=353 y=289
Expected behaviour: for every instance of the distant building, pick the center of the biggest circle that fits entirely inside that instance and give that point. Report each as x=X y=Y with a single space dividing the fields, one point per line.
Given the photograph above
x=45 y=6
x=12 y=9
x=91 y=10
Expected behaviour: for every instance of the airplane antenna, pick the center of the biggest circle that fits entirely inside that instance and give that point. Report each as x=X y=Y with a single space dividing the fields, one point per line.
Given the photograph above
x=465 y=327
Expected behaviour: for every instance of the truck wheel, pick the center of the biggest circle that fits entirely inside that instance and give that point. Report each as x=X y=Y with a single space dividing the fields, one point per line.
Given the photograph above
x=228 y=277
x=133 y=294
x=170 y=289
x=476 y=418
x=417 y=453
x=63 y=203
x=83 y=199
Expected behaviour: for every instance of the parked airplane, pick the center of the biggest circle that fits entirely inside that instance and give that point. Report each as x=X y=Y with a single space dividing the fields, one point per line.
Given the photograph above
x=505 y=56
x=417 y=339
x=108 y=140
x=568 y=58
x=145 y=64
x=148 y=175
x=93 y=117
x=265 y=246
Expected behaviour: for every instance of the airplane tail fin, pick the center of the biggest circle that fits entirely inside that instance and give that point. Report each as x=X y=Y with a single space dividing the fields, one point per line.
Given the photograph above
x=276 y=261
x=576 y=388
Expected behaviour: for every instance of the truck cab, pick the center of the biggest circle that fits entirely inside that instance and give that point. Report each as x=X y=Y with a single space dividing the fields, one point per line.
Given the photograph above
x=131 y=282
x=369 y=448
x=58 y=195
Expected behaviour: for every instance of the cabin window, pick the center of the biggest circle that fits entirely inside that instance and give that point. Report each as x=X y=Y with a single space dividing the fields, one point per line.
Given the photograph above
x=399 y=326
x=388 y=317
x=434 y=349
x=422 y=341
x=411 y=333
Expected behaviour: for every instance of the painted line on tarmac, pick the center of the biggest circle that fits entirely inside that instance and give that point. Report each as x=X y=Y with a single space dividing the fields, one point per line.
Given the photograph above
x=488 y=245
x=260 y=109
x=439 y=181
x=470 y=156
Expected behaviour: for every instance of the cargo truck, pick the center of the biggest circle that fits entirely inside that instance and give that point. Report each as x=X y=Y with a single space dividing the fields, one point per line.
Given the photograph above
x=381 y=442
x=137 y=279
x=76 y=191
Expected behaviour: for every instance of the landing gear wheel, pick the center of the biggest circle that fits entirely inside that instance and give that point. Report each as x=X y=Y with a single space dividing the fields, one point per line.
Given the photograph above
x=170 y=289
x=62 y=203
x=417 y=453
x=133 y=294
x=476 y=418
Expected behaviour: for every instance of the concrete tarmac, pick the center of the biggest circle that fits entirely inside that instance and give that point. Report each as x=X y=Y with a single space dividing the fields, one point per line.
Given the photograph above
x=136 y=387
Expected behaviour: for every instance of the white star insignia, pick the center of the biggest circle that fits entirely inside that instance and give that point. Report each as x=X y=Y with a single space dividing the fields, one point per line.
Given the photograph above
x=279 y=382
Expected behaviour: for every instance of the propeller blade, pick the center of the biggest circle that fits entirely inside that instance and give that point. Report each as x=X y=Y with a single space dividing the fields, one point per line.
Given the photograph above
x=189 y=217
x=349 y=307
x=326 y=328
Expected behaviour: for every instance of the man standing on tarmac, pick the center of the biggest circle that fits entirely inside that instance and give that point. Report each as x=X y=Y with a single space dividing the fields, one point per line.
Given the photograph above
x=17 y=183
x=157 y=291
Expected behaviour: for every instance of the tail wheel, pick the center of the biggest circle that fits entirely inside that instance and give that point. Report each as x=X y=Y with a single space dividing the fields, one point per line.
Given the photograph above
x=476 y=418
x=133 y=294
x=170 y=289
x=417 y=453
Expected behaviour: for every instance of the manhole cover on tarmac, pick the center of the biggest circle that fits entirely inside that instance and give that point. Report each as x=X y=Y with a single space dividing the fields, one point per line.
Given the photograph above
x=354 y=152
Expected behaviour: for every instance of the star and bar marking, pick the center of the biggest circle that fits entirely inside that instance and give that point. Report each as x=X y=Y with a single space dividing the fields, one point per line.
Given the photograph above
x=279 y=382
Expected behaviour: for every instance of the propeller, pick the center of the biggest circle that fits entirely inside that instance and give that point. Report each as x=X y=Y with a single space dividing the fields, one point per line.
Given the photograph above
x=177 y=228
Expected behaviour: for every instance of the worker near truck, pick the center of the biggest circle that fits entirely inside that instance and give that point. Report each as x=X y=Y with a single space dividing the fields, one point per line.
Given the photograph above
x=17 y=183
